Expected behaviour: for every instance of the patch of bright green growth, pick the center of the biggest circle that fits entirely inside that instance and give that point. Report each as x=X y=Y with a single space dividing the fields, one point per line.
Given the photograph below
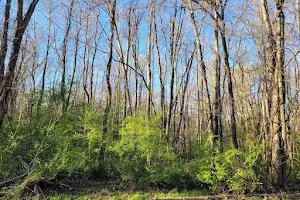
x=110 y=195
x=145 y=158
x=236 y=169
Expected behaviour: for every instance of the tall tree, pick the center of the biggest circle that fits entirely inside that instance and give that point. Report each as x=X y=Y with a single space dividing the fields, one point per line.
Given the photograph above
x=228 y=71
x=64 y=56
x=218 y=133
x=202 y=63
x=21 y=25
x=3 y=50
x=112 y=21
x=40 y=100
x=149 y=73
x=279 y=132
x=298 y=15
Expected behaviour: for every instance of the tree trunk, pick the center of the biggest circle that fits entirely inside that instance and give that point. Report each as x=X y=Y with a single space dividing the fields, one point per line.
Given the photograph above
x=40 y=101
x=74 y=70
x=3 y=50
x=298 y=15
x=218 y=134
x=149 y=73
x=112 y=13
x=203 y=67
x=279 y=138
x=64 y=57
x=229 y=81
x=6 y=84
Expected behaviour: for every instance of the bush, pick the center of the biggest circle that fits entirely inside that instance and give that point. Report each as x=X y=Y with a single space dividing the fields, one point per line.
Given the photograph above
x=234 y=169
x=146 y=159
x=50 y=144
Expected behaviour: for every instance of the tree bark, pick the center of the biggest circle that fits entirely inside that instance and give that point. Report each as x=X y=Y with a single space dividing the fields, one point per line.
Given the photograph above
x=6 y=84
x=149 y=73
x=298 y=15
x=279 y=137
x=112 y=14
x=3 y=50
x=203 y=67
x=40 y=101
x=218 y=134
x=229 y=80
x=64 y=57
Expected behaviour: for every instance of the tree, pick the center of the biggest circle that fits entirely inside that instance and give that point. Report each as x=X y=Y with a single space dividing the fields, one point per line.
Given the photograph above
x=203 y=67
x=149 y=73
x=112 y=13
x=8 y=75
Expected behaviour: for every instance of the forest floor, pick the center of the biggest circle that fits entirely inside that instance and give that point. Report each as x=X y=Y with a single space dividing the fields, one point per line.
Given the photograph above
x=107 y=194
x=71 y=188
x=102 y=191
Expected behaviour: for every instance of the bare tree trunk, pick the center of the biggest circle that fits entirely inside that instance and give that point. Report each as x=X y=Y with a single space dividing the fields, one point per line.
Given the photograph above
x=136 y=22
x=173 y=51
x=298 y=15
x=149 y=73
x=34 y=65
x=270 y=64
x=86 y=60
x=6 y=83
x=218 y=134
x=112 y=12
x=162 y=76
x=64 y=57
x=279 y=137
x=127 y=82
x=96 y=42
x=74 y=69
x=40 y=101
x=183 y=96
x=135 y=57
x=3 y=50
x=229 y=80
x=199 y=127
x=203 y=67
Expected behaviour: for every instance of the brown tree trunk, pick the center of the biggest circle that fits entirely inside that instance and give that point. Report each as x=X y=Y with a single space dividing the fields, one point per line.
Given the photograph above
x=127 y=81
x=218 y=134
x=279 y=137
x=64 y=57
x=3 y=50
x=162 y=76
x=172 y=75
x=74 y=70
x=298 y=15
x=229 y=80
x=183 y=97
x=6 y=84
x=112 y=13
x=203 y=67
x=149 y=73
x=40 y=100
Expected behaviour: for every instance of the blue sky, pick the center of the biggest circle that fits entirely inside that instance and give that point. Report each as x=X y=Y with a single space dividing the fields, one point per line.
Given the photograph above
x=239 y=35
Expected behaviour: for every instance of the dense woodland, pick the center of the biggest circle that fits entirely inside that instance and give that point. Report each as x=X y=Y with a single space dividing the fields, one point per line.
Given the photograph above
x=189 y=94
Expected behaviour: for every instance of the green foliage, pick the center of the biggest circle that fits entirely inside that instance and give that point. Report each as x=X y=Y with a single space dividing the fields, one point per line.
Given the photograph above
x=145 y=158
x=51 y=143
x=108 y=194
x=139 y=144
x=235 y=169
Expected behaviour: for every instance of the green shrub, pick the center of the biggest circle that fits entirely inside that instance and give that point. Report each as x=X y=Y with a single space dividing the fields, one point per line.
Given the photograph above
x=51 y=143
x=146 y=159
x=234 y=169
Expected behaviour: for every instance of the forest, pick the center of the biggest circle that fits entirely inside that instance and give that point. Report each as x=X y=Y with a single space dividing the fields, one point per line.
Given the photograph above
x=140 y=99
